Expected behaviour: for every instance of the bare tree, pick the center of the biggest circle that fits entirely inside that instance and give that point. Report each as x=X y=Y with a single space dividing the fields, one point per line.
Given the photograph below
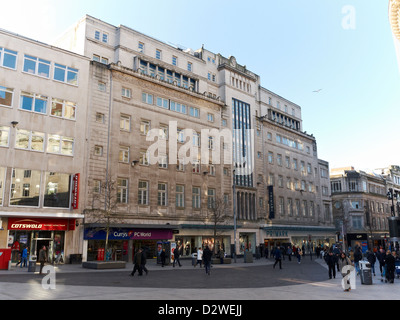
x=104 y=209
x=218 y=215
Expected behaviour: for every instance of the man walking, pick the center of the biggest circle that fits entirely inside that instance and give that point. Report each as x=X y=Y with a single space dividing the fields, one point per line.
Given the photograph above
x=207 y=255
x=143 y=262
x=137 y=260
x=42 y=258
x=278 y=258
x=176 y=257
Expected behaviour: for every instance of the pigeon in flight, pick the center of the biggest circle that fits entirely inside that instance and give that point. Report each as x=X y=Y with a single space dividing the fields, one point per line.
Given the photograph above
x=317 y=90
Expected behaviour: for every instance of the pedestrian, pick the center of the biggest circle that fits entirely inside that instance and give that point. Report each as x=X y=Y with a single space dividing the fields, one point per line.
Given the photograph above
x=176 y=257
x=357 y=259
x=199 y=257
x=289 y=253
x=344 y=261
x=371 y=259
x=143 y=262
x=380 y=255
x=331 y=262
x=221 y=254
x=42 y=258
x=24 y=257
x=278 y=258
x=207 y=255
x=266 y=252
x=137 y=260
x=298 y=254
x=163 y=256
x=390 y=263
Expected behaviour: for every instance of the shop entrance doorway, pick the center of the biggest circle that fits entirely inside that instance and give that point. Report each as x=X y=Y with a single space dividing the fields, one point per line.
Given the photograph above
x=38 y=243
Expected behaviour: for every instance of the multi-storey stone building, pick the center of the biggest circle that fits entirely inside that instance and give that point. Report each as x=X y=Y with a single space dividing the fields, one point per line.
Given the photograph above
x=360 y=205
x=43 y=116
x=139 y=83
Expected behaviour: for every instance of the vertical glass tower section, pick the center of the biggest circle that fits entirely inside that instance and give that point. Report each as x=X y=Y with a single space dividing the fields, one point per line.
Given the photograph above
x=243 y=140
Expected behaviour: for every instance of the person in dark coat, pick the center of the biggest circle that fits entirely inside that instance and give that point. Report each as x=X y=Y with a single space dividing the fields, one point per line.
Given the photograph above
x=357 y=259
x=163 y=256
x=143 y=262
x=137 y=260
x=380 y=255
x=371 y=259
x=42 y=258
x=390 y=263
x=176 y=257
x=331 y=262
x=278 y=257
x=207 y=255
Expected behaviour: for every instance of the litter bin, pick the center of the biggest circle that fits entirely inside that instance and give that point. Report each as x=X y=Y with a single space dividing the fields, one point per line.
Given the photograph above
x=365 y=272
x=248 y=257
x=194 y=259
x=5 y=258
x=32 y=263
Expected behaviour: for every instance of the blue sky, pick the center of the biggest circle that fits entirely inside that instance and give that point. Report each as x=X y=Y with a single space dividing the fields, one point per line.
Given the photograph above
x=295 y=46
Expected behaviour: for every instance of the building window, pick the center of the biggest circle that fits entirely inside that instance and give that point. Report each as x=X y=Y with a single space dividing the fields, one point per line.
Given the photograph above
x=144 y=127
x=141 y=47
x=60 y=145
x=174 y=61
x=33 y=102
x=98 y=151
x=144 y=158
x=194 y=112
x=163 y=103
x=162 y=194
x=105 y=37
x=163 y=161
x=30 y=140
x=124 y=154
x=63 y=109
x=158 y=54
x=122 y=190
x=96 y=186
x=210 y=117
x=177 y=107
x=99 y=117
x=270 y=158
x=57 y=190
x=126 y=93
x=25 y=188
x=196 y=197
x=180 y=196
x=147 y=98
x=190 y=66
x=4 y=136
x=6 y=97
x=97 y=35
x=65 y=74
x=101 y=86
x=180 y=165
x=211 y=200
x=125 y=123
x=8 y=58
x=143 y=193
x=37 y=66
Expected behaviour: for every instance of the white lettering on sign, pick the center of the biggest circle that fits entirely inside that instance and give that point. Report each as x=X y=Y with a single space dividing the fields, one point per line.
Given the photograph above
x=26 y=226
x=120 y=234
x=142 y=234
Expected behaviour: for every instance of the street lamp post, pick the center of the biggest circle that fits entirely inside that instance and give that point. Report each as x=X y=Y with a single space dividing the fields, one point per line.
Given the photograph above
x=391 y=195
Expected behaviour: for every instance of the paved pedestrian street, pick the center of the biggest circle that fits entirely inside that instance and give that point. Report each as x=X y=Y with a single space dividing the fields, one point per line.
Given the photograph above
x=236 y=281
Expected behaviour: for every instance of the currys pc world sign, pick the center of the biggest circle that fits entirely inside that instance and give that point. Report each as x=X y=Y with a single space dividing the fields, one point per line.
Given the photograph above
x=127 y=234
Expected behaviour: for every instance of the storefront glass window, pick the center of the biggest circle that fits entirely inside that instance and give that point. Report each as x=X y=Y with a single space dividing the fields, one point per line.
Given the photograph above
x=57 y=193
x=25 y=188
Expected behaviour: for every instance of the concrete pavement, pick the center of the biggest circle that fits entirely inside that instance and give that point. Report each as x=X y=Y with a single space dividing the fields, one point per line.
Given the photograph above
x=236 y=281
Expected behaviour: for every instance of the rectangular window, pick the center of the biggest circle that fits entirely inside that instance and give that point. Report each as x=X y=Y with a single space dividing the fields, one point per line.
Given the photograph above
x=36 y=66
x=122 y=190
x=144 y=127
x=144 y=158
x=57 y=190
x=126 y=93
x=190 y=66
x=211 y=199
x=180 y=196
x=102 y=86
x=8 y=58
x=63 y=109
x=162 y=194
x=143 y=193
x=177 y=107
x=4 y=136
x=196 y=204
x=33 y=102
x=194 y=112
x=174 y=61
x=163 y=161
x=25 y=188
x=163 y=103
x=29 y=140
x=98 y=151
x=158 y=54
x=97 y=35
x=125 y=123
x=60 y=145
x=210 y=117
x=65 y=74
x=6 y=97
x=147 y=98
x=105 y=38
x=99 y=117
x=124 y=154
x=141 y=47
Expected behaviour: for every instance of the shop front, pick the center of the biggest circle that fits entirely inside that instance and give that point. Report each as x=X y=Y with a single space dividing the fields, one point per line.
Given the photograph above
x=34 y=233
x=123 y=242
x=358 y=240
x=189 y=244
x=306 y=238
